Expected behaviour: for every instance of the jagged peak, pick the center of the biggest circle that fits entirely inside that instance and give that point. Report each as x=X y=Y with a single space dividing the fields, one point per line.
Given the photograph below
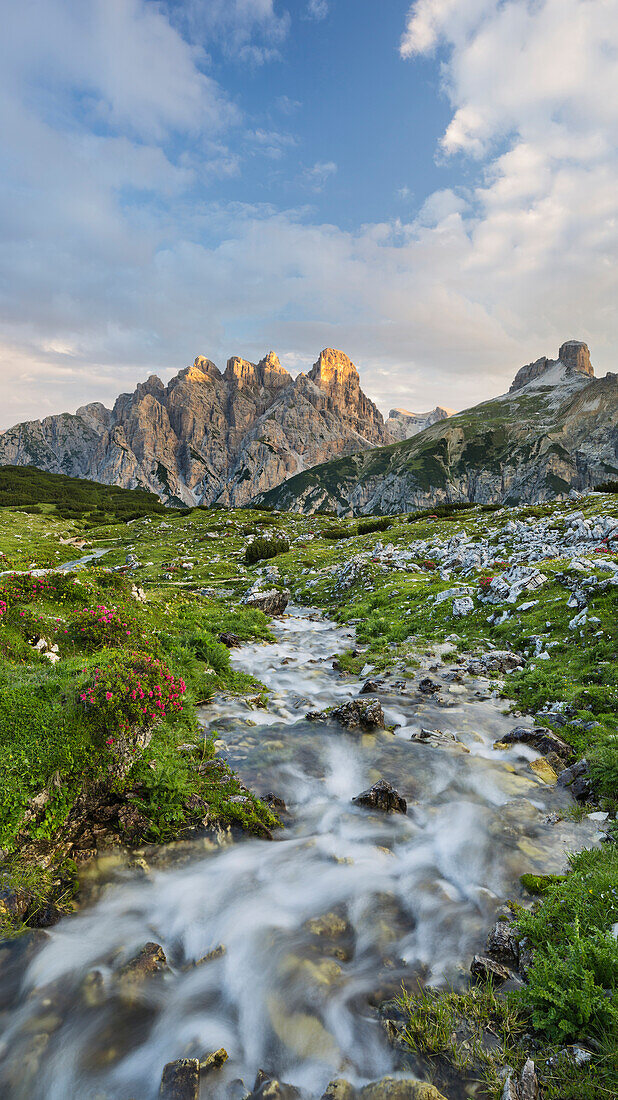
x=333 y=368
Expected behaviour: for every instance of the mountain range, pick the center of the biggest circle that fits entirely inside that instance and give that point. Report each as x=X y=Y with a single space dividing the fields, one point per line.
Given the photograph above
x=316 y=441
x=209 y=437
x=555 y=430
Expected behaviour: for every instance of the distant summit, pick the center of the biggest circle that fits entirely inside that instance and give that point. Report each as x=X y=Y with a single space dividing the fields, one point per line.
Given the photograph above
x=402 y=424
x=573 y=358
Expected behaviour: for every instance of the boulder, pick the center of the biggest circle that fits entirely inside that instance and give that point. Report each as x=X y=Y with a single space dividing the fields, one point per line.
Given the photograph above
x=486 y=970
x=390 y=1088
x=181 y=1080
x=575 y=779
x=232 y=641
x=271 y=602
x=541 y=739
x=428 y=686
x=501 y=945
x=383 y=797
x=357 y=714
x=371 y=686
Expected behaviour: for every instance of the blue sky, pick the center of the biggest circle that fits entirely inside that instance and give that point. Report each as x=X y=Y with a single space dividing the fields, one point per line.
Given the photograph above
x=429 y=185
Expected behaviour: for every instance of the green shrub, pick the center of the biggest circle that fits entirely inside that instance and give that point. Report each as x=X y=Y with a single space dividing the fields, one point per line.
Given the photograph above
x=337 y=533
x=261 y=549
x=603 y=764
x=607 y=487
x=567 y=987
x=367 y=526
x=440 y=511
x=208 y=649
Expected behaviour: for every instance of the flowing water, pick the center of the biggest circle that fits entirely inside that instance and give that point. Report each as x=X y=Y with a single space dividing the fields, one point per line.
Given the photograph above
x=315 y=928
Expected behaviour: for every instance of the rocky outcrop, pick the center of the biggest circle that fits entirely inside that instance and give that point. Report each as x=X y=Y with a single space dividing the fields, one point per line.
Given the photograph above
x=555 y=431
x=209 y=436
x=402 y=424
x=574 y=356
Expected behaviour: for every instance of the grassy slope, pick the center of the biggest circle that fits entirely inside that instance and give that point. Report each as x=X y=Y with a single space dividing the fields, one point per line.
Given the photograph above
x=180 y=554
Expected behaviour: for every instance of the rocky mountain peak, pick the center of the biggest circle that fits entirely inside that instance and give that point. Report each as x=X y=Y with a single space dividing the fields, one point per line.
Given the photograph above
x=576 y=356
x=573 y=355
x=202 y=366
x=334 y=370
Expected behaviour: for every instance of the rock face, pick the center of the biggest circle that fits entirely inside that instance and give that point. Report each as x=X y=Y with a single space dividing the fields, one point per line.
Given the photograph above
x=556 y=430
x=209 y=437
x=402 y=424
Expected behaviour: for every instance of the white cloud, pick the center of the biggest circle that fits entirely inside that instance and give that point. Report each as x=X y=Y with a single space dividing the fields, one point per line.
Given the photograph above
x=317 y=9
x=115 y=263
x=249 y=29
x=317 y=176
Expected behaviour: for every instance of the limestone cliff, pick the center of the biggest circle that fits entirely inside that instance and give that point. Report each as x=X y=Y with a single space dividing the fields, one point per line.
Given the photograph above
x=209 y=436
x=556 y=430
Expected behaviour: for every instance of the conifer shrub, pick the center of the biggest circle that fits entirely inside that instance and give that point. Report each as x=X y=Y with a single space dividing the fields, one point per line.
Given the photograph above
x=367 y=526
x=262 y=548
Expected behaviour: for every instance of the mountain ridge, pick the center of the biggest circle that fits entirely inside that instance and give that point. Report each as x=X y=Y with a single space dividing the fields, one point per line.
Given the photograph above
x=555 y=430
x=208 y=436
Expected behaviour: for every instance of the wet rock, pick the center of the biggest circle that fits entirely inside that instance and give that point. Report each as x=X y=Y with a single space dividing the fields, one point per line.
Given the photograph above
x=340 y=1090
x=576 y=779
x=149 y=960
x=214 y=1061
x=501 y=944
x=232 y=641
x=277 y=804
x=371 y=686
x=389 y=1088
x=382 y=796
x=181 y=1080
x=544 y=771
x=524 y=1088
x=428 y=686
x=486 y=970
x=357 y=714
x=272 y=602
x=498 y=660
x=539 y=738
x=439 y=739
x=268 y=1088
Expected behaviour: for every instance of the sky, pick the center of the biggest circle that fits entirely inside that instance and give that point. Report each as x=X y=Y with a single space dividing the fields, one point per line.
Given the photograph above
x=430 y=186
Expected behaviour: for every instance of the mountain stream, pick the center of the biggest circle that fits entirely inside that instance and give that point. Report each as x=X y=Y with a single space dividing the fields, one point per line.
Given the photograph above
x=308 y=933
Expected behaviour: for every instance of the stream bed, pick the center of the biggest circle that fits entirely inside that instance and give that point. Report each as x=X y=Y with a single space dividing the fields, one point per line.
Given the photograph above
x=308 y=933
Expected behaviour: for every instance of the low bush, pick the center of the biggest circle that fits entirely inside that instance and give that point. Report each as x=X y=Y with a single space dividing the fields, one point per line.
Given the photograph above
x=99 y=627
x=337 y=533
x=261 y=549
x=367 y=526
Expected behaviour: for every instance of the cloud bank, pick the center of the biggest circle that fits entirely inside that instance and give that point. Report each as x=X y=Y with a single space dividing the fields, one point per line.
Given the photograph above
x=114 y=261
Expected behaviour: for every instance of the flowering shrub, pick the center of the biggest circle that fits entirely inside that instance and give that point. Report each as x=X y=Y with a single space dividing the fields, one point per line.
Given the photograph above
x=2 y=607
x=429 y=564
x=126 y=699
x=97 y=627
x=24 y=588
x=485 y=583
